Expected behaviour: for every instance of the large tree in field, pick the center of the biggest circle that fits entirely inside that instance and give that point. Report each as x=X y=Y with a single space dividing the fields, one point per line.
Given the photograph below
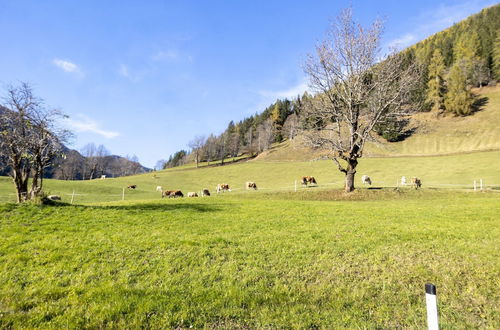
x=355 y=89
x=29 y=139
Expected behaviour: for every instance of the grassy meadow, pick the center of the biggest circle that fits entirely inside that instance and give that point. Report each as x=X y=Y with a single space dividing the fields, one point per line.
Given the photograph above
x=450 y=172
x=315 y=259
x=271 y=258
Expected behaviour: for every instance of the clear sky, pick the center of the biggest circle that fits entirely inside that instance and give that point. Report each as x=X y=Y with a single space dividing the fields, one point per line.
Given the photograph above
x=145 y=77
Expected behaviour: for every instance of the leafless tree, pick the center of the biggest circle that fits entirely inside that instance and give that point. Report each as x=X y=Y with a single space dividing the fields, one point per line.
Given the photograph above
x=102 y=159
x=134 y=165
x=251 y=146
x=89 y=151
x=210 y=149
x=265 y=134
x=355 y=89
x=234 y=144
x=196 y=146
x=30 y=139
x=291 y=126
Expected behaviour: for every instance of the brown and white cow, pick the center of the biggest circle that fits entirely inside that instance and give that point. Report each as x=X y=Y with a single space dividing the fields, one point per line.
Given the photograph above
x=192 y=194
x=308 y=180
x=171 y=193
x=166 y=193
x=222 y=187
x=132 y=186
x=416 y=182
x=251 y=185
x=175 y=194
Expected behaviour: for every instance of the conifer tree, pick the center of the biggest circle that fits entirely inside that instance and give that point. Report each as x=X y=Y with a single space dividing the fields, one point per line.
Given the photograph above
x=458 y=98
x=496 y=57
x=435 y=84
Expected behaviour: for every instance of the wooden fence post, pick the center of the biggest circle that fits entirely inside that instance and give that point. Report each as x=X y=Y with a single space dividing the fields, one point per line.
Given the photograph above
x=72 y=197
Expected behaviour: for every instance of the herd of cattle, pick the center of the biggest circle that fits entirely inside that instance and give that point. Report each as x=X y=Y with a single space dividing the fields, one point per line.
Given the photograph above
x=223 y=187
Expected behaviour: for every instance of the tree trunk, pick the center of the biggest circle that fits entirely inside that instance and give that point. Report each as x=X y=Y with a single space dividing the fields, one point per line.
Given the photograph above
x=21 y=184
x=349 y=176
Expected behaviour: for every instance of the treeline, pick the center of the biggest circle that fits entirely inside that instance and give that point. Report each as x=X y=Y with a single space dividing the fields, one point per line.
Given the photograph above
x=252 y=135
x=452 y=61
x=92 y=162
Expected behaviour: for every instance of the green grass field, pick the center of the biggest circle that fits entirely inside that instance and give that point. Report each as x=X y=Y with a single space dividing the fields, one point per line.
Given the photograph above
x=272 y=260
x=452 y=171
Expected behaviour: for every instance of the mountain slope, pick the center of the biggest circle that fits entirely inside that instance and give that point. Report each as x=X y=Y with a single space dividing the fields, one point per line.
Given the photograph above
x=432 y=136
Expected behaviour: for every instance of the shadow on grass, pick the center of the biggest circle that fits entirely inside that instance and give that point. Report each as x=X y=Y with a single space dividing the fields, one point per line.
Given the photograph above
x=479 y=104
x=198 y=207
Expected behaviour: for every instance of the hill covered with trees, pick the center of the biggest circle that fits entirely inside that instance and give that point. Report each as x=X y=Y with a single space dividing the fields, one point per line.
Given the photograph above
x=452 y=62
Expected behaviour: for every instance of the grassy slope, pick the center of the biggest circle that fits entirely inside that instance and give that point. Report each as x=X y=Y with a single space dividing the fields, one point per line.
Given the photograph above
x=239 y=261
x=455 y=171
x=434 y=136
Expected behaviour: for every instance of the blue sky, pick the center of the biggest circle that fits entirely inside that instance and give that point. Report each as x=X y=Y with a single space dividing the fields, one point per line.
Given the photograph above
x=145 y=77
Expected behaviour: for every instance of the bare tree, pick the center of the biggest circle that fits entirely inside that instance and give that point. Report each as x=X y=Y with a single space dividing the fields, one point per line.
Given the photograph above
x=89 y=151
x=134 y=164
x=210 y=148
x=102 y=159
x=291 y=126
x=30 y=140
x=196 y=146
x=355 y=90
x=265 y=134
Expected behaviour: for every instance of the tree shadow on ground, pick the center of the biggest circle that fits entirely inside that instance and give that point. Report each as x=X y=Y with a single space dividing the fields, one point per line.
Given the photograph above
x=479 y=104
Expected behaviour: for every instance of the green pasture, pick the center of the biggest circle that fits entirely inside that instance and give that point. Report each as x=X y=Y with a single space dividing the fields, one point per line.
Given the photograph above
x=450 y=172
x=313 y=259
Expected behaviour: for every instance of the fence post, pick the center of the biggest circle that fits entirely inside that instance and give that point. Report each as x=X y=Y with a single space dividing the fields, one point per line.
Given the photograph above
x=431 y=302
x=295 y=185
x=481 y=184
x=123 y=194
x=474 y=185
x=72 y=197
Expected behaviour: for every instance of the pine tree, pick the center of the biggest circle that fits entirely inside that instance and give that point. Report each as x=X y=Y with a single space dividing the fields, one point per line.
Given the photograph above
x=496 y=57
x=467 y=46
x=435 y=84
x=458 y=98
x=466 y=52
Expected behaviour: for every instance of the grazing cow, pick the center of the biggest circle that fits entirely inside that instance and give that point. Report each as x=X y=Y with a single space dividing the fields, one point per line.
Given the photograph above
x=403 y=180
x=366 y=179
x=416 y=182
x=251 y=185
x=166 y=193
x=222 y=187
x=171 y=193
x=192 y=194
x=308 y=180
x=132 y=186
x=54 y=197
x=205 y=192
x=159 y=188
x=103 y=177
x=175 y=194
